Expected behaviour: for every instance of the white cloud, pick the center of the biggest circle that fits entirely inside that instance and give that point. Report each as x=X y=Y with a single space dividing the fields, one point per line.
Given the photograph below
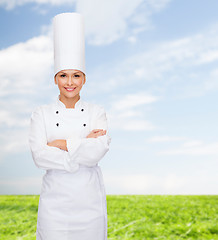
x=26 y=66
x=132 y=39
x=211 y=82
x=187 y=146
x=10 y=4
x=128 y=112
x=194 y=143
x=157 y=139
x=159 y=4
x=14 y=112
x=21 y=185
x=26 y=70
x=136 y=125
x=110 y=23
x=175 y=69
x=26 y=78
x=106 y=21
x=114 y=17
x=14 y=140
x=193 y=148
x=166 y=184
x=182 y=67
x=133 y=100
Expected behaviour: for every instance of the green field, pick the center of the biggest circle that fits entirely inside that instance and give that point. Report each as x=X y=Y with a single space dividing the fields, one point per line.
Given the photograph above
x=137 y=217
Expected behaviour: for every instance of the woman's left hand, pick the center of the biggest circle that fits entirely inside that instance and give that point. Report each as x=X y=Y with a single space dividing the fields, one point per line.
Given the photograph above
x=59 y=143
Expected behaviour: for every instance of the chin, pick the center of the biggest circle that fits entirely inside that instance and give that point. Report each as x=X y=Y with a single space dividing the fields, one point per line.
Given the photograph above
x=70 y=95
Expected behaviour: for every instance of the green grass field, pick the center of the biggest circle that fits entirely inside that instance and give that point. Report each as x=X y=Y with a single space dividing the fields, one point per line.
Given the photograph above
x=137 y=217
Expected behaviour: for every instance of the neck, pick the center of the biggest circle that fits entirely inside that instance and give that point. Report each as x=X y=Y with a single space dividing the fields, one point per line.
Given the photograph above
x=69 y=102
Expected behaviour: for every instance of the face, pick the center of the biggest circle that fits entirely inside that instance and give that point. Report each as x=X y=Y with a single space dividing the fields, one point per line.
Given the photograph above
x=70 y=82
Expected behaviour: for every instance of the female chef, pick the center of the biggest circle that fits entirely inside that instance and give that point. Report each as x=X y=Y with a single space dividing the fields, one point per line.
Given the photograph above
x=67 y=139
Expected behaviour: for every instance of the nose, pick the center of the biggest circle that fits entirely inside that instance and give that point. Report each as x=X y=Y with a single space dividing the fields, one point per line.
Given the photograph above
x=70 y=80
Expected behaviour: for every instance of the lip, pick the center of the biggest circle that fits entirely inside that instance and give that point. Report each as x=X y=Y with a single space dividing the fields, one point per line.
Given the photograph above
x=70 y=89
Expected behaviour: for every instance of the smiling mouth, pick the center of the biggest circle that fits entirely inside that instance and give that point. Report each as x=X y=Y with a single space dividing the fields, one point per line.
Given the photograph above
x=70 y=89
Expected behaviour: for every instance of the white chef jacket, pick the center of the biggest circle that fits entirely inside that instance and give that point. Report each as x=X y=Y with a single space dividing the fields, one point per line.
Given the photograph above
x=72 y=202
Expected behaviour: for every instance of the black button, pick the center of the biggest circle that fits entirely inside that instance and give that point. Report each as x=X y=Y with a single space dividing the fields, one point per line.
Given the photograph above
x=57 y=124
x=84 y=124
x=82 y=109
x=57 y=112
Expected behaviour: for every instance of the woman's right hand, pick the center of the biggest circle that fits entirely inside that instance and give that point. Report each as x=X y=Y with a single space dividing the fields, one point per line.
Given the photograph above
x=96 y=133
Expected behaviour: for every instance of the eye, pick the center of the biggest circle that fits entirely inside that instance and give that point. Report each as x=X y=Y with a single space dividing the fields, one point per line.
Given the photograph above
x=77 y=75
x=63 y=75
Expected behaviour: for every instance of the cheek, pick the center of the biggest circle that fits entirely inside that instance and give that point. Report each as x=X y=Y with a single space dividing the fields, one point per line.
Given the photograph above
x=80 y=83
x=60 y=83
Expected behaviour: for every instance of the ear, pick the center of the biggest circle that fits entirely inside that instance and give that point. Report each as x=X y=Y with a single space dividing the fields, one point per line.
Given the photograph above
x=84 y=79
x=55 y=80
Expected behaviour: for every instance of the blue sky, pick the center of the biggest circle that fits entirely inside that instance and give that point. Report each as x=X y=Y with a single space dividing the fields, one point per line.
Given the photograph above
x=152 y=64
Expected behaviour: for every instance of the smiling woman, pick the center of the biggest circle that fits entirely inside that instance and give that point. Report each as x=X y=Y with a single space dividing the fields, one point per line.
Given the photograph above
x=70 y=82
x=67 y=139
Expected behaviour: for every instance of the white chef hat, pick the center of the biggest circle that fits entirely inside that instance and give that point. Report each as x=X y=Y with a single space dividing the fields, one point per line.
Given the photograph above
x=69 y=42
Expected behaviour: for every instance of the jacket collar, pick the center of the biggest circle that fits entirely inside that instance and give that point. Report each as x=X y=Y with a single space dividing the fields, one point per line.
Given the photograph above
x=78 y=104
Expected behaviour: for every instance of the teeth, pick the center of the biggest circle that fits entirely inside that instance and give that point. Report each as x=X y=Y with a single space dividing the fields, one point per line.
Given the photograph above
x=70 y=88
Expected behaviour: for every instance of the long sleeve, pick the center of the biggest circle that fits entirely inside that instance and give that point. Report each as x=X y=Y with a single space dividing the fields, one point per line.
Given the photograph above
x=89 y=151
x=44 y=156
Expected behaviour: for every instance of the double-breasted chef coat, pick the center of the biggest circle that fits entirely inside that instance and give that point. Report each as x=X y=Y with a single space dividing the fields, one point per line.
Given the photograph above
x=72 y=204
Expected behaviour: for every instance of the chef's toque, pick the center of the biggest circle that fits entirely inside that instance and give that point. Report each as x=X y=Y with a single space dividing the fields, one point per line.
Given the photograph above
x=69 y=42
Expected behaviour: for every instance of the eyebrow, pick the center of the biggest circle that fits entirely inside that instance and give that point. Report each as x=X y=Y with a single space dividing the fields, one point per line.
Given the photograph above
x=67 y=73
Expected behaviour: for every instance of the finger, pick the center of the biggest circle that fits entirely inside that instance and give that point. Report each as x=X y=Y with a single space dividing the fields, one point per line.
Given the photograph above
x=101 y=133
x=97 y=130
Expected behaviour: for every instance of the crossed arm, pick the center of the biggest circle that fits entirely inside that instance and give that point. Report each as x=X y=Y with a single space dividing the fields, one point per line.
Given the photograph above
x=62 y=143
x=68 y=154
